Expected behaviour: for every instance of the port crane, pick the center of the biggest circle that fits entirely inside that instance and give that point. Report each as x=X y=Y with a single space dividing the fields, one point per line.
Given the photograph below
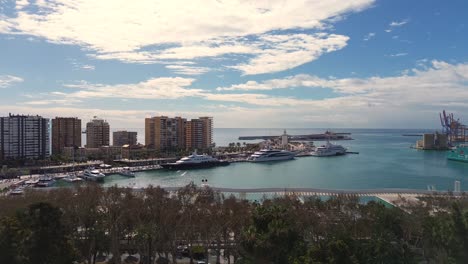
x=453 y=128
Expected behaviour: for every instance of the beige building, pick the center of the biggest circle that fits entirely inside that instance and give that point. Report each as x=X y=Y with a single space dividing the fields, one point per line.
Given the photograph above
x=435 y=141
x=66 y=132
x=97 y=133
x=164 y=133
x=101 y=153
x=199 y=133
x=120 y=138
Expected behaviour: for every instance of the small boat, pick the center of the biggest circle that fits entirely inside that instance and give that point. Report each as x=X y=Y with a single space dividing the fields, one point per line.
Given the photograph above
x=460 y=153
x=17 y=191
x=127 y=172
x=31 y=182
x=195 y=161
x=45 y=181
x=72 y=178
x=271 y=155
x=92 y=174
x=328 y=150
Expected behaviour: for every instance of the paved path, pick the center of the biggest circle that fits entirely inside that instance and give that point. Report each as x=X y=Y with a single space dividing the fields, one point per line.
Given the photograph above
x=323 y=192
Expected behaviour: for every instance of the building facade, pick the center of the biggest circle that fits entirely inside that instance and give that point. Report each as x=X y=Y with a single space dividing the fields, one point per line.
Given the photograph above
x=97 y=133
x=24 y=137
x=164 y=133
x=120 y=138
x=199 y=133
x=66 y=132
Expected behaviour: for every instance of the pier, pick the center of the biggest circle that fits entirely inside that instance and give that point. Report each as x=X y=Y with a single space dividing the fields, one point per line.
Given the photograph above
x=309 y=137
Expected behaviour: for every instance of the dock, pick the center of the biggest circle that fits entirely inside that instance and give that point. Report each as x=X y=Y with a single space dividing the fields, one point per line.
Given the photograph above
x=309 y=137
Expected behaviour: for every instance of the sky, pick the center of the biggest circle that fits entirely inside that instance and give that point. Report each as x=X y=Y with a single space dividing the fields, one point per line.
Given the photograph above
x=272 y=63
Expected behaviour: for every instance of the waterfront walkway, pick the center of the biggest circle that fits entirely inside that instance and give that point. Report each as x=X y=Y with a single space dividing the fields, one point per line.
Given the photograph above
x=394 y=197
x=322 y=192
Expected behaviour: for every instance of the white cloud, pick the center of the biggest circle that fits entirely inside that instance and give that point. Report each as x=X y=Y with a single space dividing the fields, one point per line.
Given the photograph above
x=155 y=88
x=411 y=99
x=148 y=31
x=438 y=82
x=395 y=24
x=68 y=101
x=284 y=52
x=401 y=54
x=398 y=23
x=188 y=70
x=88 y=67
x=369 y=36
x=8 y=80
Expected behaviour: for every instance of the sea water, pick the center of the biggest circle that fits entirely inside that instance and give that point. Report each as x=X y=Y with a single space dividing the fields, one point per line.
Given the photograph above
x=385 y=160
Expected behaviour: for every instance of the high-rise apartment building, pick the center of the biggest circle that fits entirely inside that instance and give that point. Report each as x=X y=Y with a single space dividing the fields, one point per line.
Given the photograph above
x=24 y=137
x=199 y=133
x=120 y=138
x=66 y=132
x=97 y=133
x=164 y=133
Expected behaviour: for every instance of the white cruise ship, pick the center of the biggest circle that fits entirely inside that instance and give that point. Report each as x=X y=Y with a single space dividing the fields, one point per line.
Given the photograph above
x=329 y=150
x=93 y=175
x=271 y=155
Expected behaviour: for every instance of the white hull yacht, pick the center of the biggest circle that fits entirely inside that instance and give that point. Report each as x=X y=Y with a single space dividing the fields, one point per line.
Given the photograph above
x=329 y=150
x=271 y=155
x=93 y=175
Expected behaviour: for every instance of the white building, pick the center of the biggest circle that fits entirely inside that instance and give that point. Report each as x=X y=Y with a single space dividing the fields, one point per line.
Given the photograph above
x=456 y=187
x=24 y=137
x=284 y=139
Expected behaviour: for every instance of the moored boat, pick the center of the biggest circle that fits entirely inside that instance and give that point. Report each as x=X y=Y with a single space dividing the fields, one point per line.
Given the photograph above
x=72 y=178
x=17 y=191
x=45 y=181
x=271 y=155
x=195 y=161
x=329 y=149
x=127 y=172
x=92 y=174
x=460 y=153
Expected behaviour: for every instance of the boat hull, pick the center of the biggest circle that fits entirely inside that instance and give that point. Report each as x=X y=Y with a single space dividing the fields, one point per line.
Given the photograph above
x=272 y=159
x=327 y=154
x=460 y=154
x=93 y=179
x=187 y=166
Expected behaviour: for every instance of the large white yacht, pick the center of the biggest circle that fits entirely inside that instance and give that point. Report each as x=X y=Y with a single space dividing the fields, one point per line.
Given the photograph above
x=195 y=161
x=271 y=155
x=329 y=150
x=92 y=174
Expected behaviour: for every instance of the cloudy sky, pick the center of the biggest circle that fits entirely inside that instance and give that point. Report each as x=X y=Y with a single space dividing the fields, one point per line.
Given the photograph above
x=259 y=63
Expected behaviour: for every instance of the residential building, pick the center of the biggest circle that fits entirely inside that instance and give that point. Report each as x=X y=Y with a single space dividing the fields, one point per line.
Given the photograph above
x=101 y=153
x=199 y=133
x=97 y=133
x=120 y=138
x=24 y=137
x=164 y=133
x=66 y=132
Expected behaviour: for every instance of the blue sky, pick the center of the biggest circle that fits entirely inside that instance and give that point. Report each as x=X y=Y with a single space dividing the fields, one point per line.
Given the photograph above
x=361 y=63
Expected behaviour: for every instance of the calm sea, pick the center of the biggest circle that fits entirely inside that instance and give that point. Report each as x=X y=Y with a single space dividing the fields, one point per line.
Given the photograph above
x=385 y=160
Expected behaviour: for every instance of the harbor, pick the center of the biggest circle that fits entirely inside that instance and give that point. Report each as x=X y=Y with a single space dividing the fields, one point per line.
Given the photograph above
x=384 y=161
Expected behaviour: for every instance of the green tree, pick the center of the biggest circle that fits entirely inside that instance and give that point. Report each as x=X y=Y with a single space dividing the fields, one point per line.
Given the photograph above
x=46 y=239
x=10 y=241
x=272 y=237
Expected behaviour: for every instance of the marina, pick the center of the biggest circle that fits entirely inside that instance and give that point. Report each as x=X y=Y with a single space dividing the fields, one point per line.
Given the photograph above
x=385 y=160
